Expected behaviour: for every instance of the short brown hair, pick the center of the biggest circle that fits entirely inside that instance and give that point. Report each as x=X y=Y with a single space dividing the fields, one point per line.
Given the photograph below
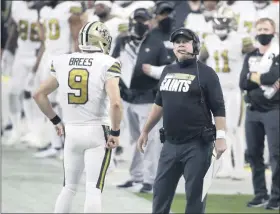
x=266 y=19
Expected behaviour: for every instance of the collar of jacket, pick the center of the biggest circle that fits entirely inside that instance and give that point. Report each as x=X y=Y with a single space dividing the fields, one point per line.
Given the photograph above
x=186 y=62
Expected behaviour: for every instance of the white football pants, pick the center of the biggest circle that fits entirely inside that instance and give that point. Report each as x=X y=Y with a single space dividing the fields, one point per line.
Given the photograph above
x=84 y=148
x=20 y=70
x=234 y=140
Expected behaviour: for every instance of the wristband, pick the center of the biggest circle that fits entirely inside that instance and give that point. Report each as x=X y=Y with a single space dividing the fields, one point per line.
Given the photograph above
x=220 y=134
x=115 y=133
x=56 y=120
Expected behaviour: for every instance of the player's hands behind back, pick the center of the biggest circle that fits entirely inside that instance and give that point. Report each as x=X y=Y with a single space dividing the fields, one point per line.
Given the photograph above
x=112 y=142
x=59 y=129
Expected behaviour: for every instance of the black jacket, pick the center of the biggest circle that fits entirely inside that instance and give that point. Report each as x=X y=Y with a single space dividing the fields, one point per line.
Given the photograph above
x=180 y=97
x=254 y=96
x=143 y=87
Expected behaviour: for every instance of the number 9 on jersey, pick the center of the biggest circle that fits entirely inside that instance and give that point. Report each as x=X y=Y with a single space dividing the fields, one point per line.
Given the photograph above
x=78 y=80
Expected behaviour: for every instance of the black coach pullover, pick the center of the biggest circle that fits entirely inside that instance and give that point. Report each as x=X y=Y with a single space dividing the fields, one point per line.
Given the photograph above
x=183 y=113
x=152 y=51
x=255 y=95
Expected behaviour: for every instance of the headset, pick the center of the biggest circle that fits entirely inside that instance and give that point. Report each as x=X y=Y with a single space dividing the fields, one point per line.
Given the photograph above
x=190 y=35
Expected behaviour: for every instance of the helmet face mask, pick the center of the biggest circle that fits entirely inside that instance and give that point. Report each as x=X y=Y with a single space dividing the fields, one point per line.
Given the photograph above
x=223 y=22
x=221 y=26
x=95 y=36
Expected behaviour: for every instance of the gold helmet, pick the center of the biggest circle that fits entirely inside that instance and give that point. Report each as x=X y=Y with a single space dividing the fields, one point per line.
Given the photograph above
x=95 y=36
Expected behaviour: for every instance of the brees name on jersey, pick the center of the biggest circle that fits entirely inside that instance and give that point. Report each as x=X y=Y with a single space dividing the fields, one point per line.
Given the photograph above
x=80 y=61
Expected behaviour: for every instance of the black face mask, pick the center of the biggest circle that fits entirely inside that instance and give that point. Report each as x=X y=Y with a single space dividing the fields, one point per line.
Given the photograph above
x=264 y=39
x=166 y=24
x=140 y=29
x=102 y=15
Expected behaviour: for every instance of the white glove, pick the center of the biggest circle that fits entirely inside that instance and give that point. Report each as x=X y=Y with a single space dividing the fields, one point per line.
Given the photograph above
x=6 y=62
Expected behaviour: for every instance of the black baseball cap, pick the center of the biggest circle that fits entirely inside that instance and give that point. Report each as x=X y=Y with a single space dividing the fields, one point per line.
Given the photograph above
x=162 y=6
x=187 y=33
x=142 y=13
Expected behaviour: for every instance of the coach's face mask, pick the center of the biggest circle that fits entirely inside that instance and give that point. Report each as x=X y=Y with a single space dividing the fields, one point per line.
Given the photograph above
x=166 y=24
x=140 y=29
x=264 y=39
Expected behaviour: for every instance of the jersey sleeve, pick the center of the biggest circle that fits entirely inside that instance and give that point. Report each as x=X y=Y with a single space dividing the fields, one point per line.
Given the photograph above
x=113 y=71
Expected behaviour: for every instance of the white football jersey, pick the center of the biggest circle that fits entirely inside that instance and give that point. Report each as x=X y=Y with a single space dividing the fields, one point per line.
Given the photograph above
x=26 y=19
x=250 y=15
x=197 y=23
x=271 y=11
x=81 y=92
x=57 y=27
x=225 y=57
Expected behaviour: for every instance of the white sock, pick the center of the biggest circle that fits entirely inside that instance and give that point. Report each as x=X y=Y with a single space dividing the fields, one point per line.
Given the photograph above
x=15 y=111
x=238 y=152
x=5 y=106
x=64 y=200
x=93 y=199
x=28 y=109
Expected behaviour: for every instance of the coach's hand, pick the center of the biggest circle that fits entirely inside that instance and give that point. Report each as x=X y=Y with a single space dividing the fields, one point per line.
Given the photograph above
x=142 y=142
x=112 y=142
x=220 y=147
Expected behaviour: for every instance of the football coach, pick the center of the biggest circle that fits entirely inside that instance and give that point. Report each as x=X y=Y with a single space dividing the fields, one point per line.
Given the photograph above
x=189 y=91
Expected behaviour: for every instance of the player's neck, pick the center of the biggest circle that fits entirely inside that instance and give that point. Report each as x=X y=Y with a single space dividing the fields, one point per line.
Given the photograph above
x=263 y=49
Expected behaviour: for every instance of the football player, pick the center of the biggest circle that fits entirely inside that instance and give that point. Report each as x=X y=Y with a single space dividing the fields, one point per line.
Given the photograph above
x=260 y=9
x=224 y=51
x=25 y=30
x=198 y=20
x=87 y=82
x=60 y=25
x=102 y=11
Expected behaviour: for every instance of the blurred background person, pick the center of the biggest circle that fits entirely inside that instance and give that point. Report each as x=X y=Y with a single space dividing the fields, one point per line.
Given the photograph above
x=197 y=21
x=182 y=9
x=24 y=33
x=260 y=9
x=164 y=16
x=7 y=57
x=102 y=11
x=260 y=80
x=138 y=92
x=224 y=51
x=62 y=21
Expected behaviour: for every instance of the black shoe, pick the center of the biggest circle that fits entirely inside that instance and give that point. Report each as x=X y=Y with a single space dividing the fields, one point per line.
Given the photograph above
x=258 y=201
x=272 y=205
x=44 y=148
x=128 y=184
x=8 y=127
x=146 y=188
